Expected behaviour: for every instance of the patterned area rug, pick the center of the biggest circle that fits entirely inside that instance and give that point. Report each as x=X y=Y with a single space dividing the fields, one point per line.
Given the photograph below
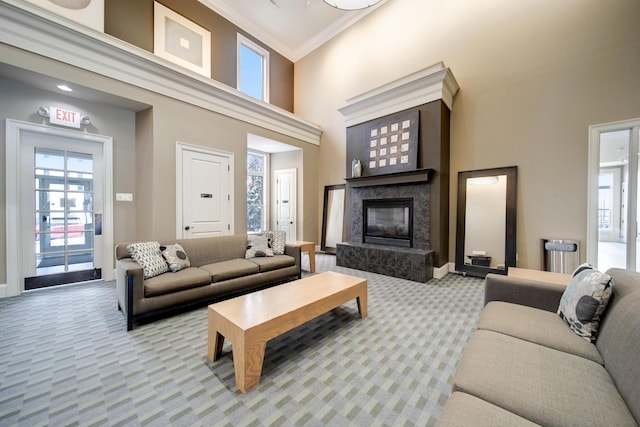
x=66 y=359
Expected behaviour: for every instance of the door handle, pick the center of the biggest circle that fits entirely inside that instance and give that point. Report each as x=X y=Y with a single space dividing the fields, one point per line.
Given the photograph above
x=187 y=228
x=291 y=222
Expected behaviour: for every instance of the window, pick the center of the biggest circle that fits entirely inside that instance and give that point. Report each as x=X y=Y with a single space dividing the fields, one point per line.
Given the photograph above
x=257 y=179
x=253 y=69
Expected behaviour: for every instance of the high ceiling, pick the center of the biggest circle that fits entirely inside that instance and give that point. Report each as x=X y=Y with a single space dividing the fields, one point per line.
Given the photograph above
x=292 y=27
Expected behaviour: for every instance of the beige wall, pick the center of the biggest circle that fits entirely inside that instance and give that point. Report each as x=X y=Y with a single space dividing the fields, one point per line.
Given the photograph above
x=132 y=21
x=144 y=147
x=533 y=76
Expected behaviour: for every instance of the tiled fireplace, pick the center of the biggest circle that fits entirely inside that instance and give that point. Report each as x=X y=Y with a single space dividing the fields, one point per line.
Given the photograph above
x=397 y=244
x=406 y=233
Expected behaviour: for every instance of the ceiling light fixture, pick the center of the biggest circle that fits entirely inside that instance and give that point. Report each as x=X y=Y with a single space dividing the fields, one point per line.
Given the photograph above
x=65 y=88
x=351 y=4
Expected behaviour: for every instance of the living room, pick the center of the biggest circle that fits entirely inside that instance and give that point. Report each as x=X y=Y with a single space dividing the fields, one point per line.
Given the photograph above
x=532 y=79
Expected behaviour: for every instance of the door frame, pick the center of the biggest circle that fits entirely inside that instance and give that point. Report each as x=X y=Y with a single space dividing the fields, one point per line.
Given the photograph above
x=14 y=245
x=181 y=147
x=592 y=182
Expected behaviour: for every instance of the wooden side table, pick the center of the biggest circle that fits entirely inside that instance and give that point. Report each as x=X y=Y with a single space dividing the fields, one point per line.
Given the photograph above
x=310 y=248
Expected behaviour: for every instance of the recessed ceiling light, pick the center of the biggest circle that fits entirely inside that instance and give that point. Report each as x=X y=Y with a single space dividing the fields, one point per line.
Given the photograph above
x=65 y=88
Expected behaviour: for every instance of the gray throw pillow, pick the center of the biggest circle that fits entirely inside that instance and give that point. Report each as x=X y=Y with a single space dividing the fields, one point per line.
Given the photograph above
x=584 y=301
x=176 y=257
x=278 y=240
x=148 y=255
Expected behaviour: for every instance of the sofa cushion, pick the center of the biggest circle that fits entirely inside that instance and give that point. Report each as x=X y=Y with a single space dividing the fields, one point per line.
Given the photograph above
x=273 y=263
x=584 y=301
x=175 y=256
x=537 y=326
x=188 y=278
x=225 y=270
x=258 y=246
x=148 y=255
x=619 y=343
x=543 y=385
x=466 y=410
x=207 y=250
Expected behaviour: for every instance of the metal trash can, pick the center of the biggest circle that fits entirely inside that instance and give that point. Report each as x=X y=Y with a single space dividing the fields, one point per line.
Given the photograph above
x=560 y=256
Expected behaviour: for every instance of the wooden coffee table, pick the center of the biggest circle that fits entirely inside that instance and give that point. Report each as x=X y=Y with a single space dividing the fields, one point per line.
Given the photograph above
x=249 y=321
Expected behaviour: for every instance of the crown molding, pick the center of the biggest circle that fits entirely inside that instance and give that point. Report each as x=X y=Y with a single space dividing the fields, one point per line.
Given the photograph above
x=36 y=30
x=291 y=53
x=331 y=31
x=427 y=85
x=247 y=25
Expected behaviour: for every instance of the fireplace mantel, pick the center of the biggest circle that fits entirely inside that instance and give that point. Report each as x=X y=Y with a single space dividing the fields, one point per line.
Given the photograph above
x=424 y=86
x=409 y=177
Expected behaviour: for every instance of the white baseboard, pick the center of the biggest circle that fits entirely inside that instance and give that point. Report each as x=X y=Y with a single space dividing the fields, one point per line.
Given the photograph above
x=3 y=290
x=440 y=272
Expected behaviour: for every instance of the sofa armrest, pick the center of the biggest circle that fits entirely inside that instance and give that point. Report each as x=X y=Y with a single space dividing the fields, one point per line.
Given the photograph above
x=296 y=253
x=532 y=293
x=130 y=286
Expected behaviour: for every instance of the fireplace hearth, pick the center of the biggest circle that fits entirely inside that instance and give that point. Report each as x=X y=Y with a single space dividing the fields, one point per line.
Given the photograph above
x=388 y=222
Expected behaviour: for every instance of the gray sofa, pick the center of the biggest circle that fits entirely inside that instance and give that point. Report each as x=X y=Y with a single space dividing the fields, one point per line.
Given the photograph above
x=524 y=366
x=218 y=270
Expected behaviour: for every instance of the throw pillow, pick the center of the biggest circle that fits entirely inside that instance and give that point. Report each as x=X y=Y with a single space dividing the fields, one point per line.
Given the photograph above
x=584 y=301
x=175 y=256
x=258 y=246
x=278 y=239
x=148 y=255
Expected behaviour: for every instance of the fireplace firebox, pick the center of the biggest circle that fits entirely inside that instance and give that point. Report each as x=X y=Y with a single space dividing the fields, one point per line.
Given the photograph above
x=388 y=222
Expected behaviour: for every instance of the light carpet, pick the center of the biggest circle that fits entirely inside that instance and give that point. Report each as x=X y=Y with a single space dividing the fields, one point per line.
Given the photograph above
x=66 y=359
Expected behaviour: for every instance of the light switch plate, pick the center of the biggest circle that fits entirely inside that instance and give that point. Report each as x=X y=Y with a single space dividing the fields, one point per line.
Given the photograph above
x=124 y=197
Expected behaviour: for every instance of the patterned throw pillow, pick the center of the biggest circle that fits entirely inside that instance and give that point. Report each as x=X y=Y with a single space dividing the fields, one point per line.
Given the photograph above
x=176 y=257
x=148 y=255
x=278 y=239
x=258 y=246
x=584 y=301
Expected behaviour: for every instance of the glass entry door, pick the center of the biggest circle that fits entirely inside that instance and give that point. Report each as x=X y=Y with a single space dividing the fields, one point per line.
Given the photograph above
x=64 y=211
x=62 y=198
x=59 y=206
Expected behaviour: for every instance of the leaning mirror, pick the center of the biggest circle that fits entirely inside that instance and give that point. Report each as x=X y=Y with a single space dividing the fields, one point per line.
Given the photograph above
x=486 y=223
x=332 y=217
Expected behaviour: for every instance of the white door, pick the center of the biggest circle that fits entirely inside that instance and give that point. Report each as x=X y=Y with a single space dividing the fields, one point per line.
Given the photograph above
x=61 y=181
x=286 y=205
x=204 y=196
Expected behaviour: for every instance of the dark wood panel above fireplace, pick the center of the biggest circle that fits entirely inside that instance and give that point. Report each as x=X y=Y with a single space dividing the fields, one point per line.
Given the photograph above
x=432 y=169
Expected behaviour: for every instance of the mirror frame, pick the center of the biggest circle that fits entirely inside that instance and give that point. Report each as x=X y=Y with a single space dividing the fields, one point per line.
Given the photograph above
x=510 y=223
x=325 y=215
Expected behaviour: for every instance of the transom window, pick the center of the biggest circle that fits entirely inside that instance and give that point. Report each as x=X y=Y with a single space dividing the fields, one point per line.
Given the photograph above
x=253 y=69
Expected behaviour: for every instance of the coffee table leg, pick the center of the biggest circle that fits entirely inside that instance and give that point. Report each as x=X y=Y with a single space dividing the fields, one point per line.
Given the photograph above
x=247 y=363
x=215 y=340
x=362 y=304
x=312 y=259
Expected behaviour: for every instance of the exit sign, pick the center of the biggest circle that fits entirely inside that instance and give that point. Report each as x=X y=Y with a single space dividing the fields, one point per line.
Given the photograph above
x=60 y=116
